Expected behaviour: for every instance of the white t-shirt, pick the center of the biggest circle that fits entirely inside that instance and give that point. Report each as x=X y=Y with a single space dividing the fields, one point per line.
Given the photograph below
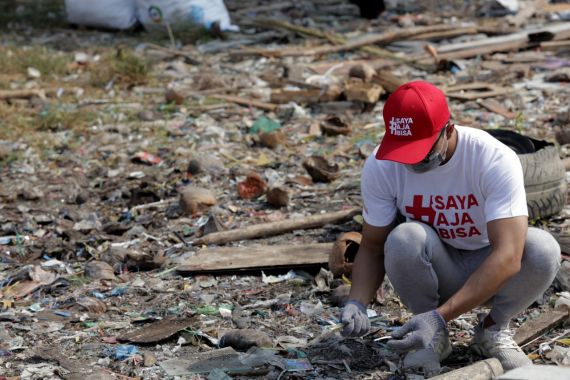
x=483 y=181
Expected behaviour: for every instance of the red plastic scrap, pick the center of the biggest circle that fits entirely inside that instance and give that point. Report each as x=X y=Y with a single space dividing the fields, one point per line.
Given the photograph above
x=147 y=158
x=252 y=187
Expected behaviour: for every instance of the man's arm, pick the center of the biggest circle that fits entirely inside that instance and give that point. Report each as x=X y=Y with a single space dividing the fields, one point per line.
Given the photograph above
x=368 y=270
x=507 y=237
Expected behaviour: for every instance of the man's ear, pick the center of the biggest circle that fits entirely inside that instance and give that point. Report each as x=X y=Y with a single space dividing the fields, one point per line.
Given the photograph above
x=449 y=131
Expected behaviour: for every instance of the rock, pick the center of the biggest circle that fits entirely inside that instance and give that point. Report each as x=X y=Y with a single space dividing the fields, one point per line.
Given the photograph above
x=242 y=340
x=205 y=164
x=278 y=197
x=563 y=276
x=147 y=115
x=339 y=295
x=343 y=253
x=33 y=73
x=320 y=170
x=362 y=71
x=149 y=359
x=196 y=199
x=252 y=187
x=92 y=305
x=334 y=126
x=272 y=139
x=99 y=270
x=173 y=96
x=89 y=224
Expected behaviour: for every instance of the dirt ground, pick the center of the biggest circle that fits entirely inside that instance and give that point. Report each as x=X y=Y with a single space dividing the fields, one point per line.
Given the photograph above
x=103 y=132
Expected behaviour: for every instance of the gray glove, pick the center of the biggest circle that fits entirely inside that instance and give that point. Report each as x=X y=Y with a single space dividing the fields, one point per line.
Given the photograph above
x=355 y=319
x=420 y=331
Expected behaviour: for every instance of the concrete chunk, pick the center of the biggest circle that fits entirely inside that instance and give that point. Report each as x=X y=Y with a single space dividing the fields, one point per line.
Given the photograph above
x=537 y=372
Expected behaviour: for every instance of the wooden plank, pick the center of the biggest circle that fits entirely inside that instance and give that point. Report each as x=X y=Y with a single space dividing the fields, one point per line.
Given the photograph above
x=479 y=90
x=158 y=331
x=496 y=107
x=535 y=327
x=303 y=96
x=268 y=256
x=247 y=102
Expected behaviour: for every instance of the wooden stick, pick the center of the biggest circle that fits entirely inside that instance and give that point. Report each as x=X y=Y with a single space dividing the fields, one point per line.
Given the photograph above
x=22 y=94
x=275 y=228
x=247 y=102
x=555 y=45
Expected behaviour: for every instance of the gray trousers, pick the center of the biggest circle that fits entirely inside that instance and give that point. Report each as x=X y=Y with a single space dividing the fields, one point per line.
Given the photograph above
x=426 y=272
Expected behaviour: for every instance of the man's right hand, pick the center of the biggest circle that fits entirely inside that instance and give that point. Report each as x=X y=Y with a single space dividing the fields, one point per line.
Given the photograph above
x=355 y=319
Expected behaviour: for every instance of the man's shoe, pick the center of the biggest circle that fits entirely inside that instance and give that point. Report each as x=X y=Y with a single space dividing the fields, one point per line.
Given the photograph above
x=428 y=359
x=497 y=342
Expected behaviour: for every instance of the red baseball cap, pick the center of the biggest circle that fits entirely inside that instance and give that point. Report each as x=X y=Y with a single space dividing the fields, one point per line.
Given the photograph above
x=414 y=116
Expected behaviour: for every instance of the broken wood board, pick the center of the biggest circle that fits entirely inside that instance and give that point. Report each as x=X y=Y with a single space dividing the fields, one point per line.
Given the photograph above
x=474 y=91
x=258 y=257
x=275 y=228
x=363 y=92
x=341 y=68
x=496 y=107
x=158 y=331
x=469 y=49
x=247 y=102
x=360 y=42
x=535 y=327
x=388 y=80
x=303 y=96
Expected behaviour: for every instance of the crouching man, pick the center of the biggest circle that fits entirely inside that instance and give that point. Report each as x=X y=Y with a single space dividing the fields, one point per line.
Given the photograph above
x=466 y=241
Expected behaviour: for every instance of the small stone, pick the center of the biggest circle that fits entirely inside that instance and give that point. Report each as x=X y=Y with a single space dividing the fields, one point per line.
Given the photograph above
x=99 y=270
x=146 y=115
x=196 y=199
x=320 y=169
x=173 y=96
x=362 y=71
x=149 y=359
x=205 y=164
x=278 y=197
x=242 y=340
x=33 y=73
x=272 y=139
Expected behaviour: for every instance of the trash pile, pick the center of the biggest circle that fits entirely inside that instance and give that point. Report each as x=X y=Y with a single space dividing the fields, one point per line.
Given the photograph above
x=187 y=204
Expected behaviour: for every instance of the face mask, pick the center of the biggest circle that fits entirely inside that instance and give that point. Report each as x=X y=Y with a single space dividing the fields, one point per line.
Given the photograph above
x=433 y=161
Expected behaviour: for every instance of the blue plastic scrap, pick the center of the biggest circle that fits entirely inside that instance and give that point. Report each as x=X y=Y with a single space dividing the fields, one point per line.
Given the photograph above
x=122 y=352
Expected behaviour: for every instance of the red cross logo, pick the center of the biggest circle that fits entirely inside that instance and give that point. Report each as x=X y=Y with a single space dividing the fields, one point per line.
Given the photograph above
x=417 y=211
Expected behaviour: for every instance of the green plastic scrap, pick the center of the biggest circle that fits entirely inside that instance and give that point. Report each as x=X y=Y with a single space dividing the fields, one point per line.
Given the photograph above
x=207 y=310
x=264 y=124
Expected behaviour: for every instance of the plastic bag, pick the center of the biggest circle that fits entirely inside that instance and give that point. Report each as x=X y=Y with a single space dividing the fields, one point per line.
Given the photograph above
x=155 y=14
x=112 y=14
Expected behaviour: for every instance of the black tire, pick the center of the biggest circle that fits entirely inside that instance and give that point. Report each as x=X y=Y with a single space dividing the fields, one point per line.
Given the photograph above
x=544 y=173
x=544 y=182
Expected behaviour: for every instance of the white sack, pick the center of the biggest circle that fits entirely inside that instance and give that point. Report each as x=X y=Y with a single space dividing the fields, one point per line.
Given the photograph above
x=157 y=13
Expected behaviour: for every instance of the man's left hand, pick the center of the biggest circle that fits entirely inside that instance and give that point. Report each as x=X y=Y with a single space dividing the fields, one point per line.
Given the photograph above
x=418 y=332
